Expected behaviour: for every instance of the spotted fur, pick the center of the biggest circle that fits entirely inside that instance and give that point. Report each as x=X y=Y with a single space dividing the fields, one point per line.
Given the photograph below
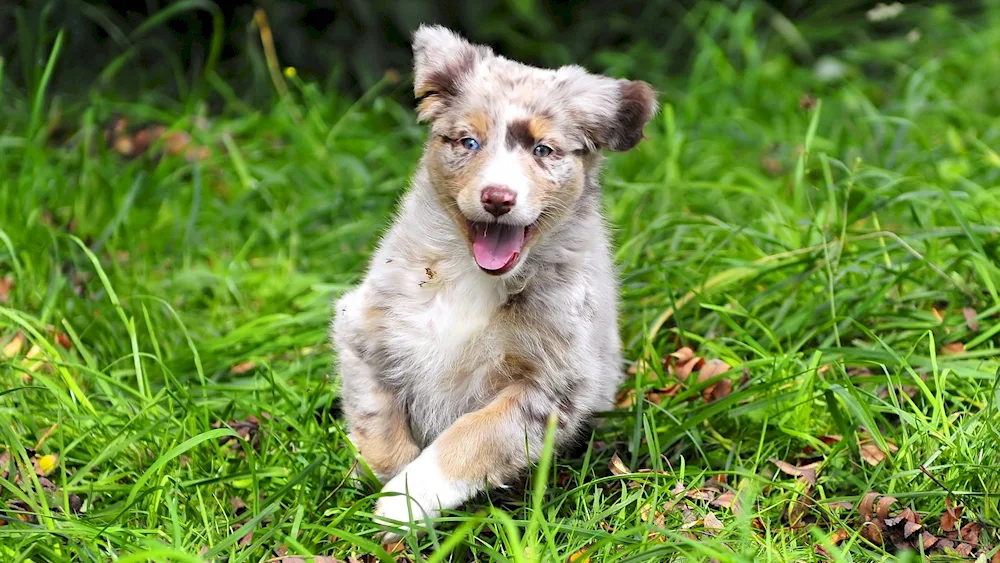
x=448 y=374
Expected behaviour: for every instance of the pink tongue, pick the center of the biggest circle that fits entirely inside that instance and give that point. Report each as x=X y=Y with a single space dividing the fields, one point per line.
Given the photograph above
x=496 y=245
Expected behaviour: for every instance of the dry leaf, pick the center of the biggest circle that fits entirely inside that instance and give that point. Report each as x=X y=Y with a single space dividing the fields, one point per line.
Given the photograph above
x=618 y=466
x=721 y=390
x=839 y=536
x=953 y=349
x=806 y=472
x=684 y=370
x=242 y=367
x=970 y=533
x=13 y=347
x=683 y=355
x=951 y=516
x=970 y=318
x=625 y=398
x=246 y=539
x=867 y=505
x=937 y=315
x=726 y=500
x=711 y=369
x=712 y=522
x=46 y=464
x=239 y=507
x=6 y=284
x=927 y=540
x=872 y=454
x=882 y=512
x=871 y=532
x=910 y=528
x=63 y=340
x=393 y=548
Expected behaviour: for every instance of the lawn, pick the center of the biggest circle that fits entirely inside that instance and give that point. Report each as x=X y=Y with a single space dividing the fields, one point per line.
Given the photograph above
x=825 y=225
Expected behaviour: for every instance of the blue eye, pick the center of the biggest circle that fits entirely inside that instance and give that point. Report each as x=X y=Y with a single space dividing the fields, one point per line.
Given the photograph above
x=470 y=143
x=542 y=151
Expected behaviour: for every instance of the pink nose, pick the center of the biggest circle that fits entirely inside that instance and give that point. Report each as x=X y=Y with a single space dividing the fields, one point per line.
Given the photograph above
x=498 y=199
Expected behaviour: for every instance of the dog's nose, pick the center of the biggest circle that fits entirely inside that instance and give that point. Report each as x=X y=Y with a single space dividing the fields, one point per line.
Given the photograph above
x=498 y=199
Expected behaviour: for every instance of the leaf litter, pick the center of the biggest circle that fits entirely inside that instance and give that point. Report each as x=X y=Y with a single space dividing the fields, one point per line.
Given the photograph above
x=42 y=466
x=679 y=366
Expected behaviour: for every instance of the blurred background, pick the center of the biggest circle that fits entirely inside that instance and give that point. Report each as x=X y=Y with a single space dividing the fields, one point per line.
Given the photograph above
x=348 y=45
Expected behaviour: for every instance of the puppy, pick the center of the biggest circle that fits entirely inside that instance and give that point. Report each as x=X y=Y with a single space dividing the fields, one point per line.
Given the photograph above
x=491 y=302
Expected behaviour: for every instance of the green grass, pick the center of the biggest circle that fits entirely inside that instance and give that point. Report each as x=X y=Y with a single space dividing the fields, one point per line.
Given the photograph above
x=826 y=253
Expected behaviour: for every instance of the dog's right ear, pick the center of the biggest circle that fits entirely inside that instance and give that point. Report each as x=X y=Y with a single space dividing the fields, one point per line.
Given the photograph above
x=441 y=60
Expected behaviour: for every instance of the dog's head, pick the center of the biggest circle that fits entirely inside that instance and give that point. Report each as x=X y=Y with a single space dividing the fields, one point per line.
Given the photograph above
x=510 y=144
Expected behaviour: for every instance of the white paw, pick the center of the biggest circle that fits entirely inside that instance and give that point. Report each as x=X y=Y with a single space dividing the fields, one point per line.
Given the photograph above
x=418 y=494
x=407 y=504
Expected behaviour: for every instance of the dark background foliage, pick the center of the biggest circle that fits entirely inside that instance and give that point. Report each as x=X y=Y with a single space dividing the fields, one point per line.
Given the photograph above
x=349 y=44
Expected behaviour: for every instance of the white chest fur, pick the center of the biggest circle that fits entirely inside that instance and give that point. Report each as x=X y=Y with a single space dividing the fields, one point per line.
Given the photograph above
x=443 y=329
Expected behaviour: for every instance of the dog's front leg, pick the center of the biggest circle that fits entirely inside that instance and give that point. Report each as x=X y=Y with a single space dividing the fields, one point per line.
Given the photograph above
x=485 y=447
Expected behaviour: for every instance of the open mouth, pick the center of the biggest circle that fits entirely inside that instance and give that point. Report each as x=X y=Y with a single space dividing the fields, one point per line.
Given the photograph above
x=496 y=246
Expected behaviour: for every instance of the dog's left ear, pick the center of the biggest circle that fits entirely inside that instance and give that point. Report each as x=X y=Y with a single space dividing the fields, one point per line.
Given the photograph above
x=636 y=106
x=612 y=112
x=441 y=61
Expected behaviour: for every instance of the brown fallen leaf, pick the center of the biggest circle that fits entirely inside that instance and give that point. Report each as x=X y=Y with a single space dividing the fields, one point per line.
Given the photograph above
x=248 y=429
x=927 y=540
x=882 y=511
x=13 y=347
x=910 y=528
x=952 y=515
x=840 y=505
x=725 y=500
x=867 y=506
x=871 y=532
x=625 y=398
x=242 y=367
x=971 y=319
x=806 y=472
x=964 y=549
x=711 y=369
x=658 y=395
x=683 y=355
x=394 y=548
x=247 y=538
x=684 y=370
x=970 y=533
x=239 y=507
x=22 y=511
x=63 y=340
x=839 y=536
x=872 y=454
x=617 y=466
x=6 y=284
x=712 y=522
x=953 y=349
